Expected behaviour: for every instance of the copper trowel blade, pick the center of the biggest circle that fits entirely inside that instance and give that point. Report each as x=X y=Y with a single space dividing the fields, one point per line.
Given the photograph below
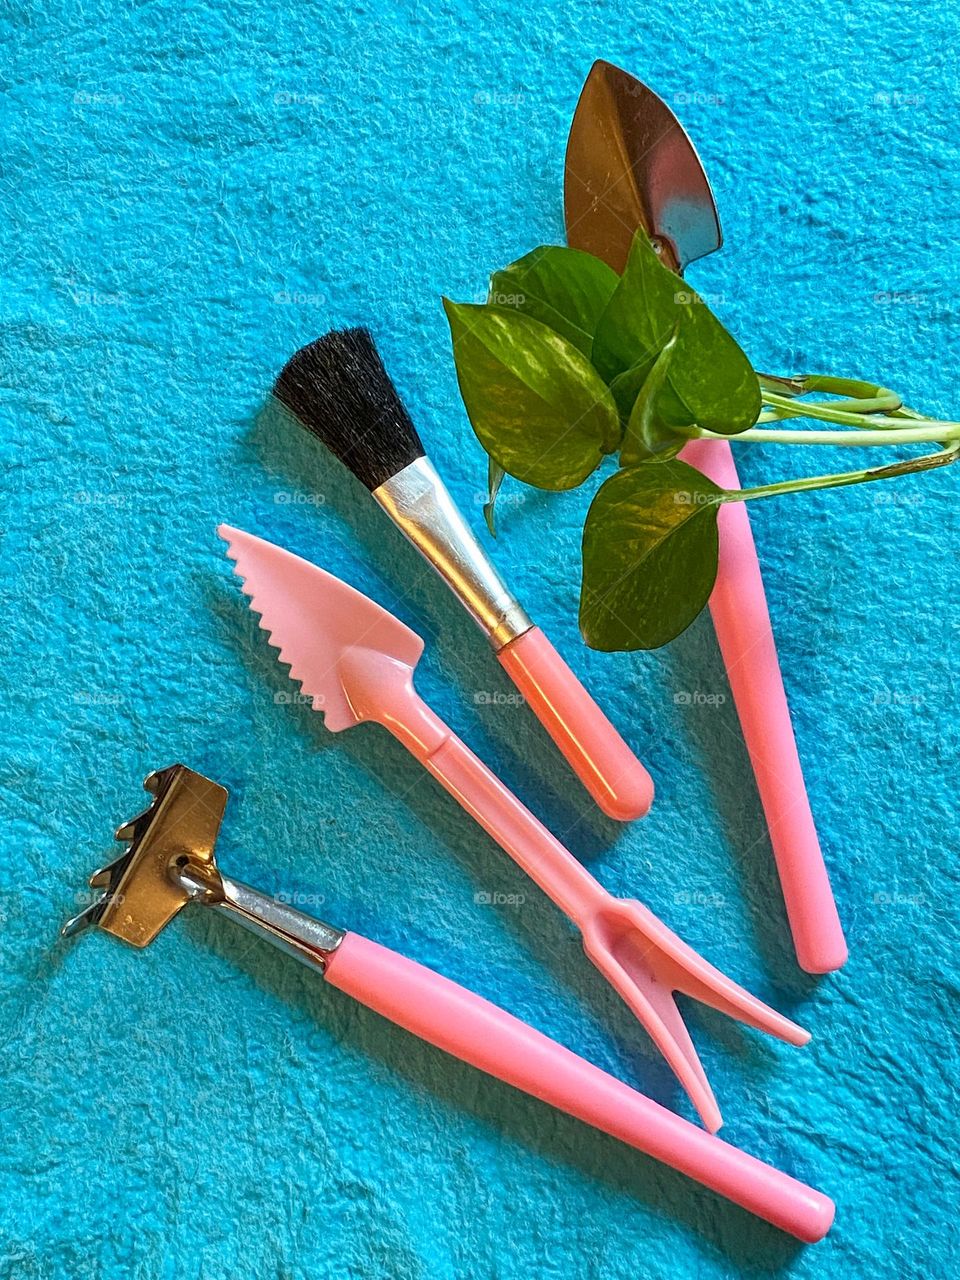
x=629 y=164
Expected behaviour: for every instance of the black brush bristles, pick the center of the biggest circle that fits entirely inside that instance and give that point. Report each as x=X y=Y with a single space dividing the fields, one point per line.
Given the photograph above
x=339 y=390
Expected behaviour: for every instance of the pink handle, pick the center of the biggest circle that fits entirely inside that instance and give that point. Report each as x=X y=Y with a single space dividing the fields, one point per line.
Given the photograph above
x=739 y=608
x=383 y=691
x=642 y=959
x=534 y=849
x=635 y=951
x=474 y=1030
x=590 y=744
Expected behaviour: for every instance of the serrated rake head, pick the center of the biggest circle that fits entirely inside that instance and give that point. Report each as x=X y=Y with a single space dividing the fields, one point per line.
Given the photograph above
x=140 y=890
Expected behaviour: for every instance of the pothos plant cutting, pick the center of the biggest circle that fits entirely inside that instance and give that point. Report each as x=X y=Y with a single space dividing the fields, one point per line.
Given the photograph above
x=568 y=364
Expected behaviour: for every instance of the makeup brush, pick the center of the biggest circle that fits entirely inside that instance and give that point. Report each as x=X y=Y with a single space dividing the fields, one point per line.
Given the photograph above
x=339 y=390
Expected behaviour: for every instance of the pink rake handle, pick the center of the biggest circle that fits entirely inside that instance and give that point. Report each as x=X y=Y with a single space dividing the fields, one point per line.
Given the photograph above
x=592 y=747
x=477 y=1032
x=742 y=621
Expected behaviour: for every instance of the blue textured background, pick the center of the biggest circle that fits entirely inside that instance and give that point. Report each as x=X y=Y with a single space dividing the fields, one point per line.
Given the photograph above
x=189 y=195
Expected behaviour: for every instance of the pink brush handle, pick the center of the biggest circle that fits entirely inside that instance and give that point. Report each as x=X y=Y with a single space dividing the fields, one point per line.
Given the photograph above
x=739 y=608
x=474 y=1030
x=590 y=744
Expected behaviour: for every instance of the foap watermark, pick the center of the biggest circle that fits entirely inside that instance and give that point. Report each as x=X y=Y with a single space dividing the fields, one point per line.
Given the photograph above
x=697 y=898
x=698 y=698
x=498 y=898
x=297 y=698
x=96 y=698
x=87 y=897
x=496 y=299
x=296 y=98
x=897 y=698
x=86 y=498
x=684 y=498
x=83 y=297
x=684 y=297
x=698 y=98
x=498 y=98
x=296 y=498
x=899 y=298
x=896 y=98
x=299 y=298
x=97 y=98
x=890 y=497
x=516 y=499
x=497 y=698
x=299 y=898
x=897 y=898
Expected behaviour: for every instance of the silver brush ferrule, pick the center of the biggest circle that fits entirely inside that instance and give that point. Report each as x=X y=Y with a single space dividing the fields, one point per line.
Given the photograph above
x=417 y=501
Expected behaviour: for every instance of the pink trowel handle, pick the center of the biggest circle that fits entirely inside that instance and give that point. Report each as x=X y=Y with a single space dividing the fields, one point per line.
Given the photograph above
x=383 y=691
x=639 y=956
x=642 y=959
x=480 y=1033
x=590 y=744
x=739 y=608
x=534 y=849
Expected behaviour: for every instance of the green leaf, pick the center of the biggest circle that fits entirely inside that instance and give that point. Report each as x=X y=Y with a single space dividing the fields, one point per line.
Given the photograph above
x=648 y=436
x=710 y=376
x=495 y=474
x=538 y=406
x=649 y=556
x=626 y=386
x=640 y=316
x=565 y=289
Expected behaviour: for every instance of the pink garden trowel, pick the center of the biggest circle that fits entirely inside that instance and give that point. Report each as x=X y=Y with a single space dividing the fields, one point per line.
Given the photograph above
x=356 y=661
x=630 y=164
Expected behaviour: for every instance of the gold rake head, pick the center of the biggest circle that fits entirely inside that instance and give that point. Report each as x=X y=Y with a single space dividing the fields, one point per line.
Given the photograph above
x=141 y=891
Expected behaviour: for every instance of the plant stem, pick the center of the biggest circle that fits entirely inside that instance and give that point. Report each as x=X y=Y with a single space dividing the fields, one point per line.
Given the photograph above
x=863 y=408
x=817 y=409
x=839 y=479
x=861 y=397
x=931 y=433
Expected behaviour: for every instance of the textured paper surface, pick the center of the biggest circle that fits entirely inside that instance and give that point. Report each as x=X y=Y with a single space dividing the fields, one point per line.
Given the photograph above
x=187 y=196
